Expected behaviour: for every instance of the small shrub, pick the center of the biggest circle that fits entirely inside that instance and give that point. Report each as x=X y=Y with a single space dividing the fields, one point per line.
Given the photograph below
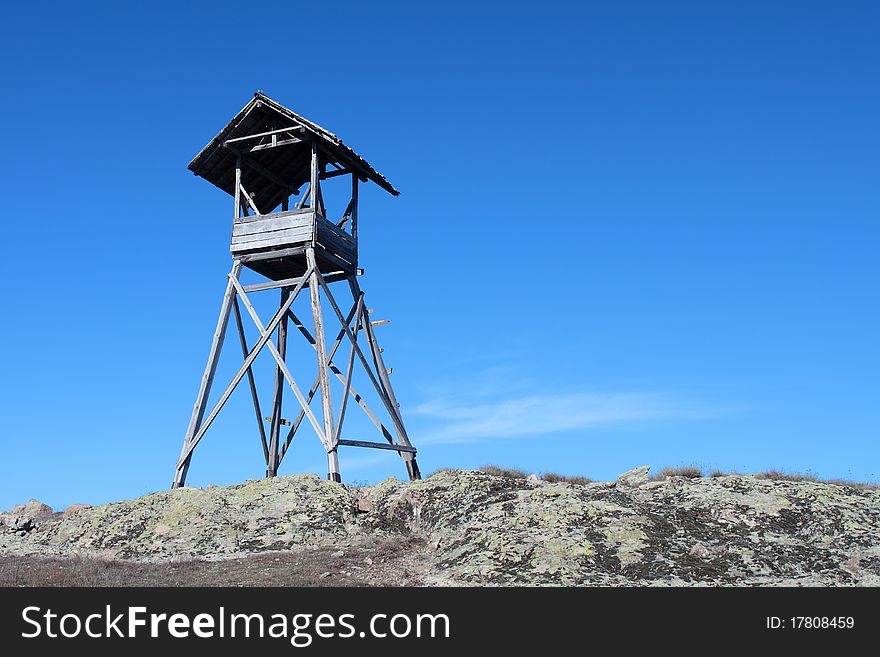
x=498 y=471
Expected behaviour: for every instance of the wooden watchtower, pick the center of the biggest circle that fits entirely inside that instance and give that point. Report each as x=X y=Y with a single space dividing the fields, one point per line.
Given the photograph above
x=272 y=161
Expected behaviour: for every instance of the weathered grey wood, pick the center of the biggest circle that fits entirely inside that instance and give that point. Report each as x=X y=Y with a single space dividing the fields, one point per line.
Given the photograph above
x=386 y=400
x=249 y=199
x=348 y=372
x=381 y=369
x=354 y=208
x=259 y=135
x=306 y=213
x=407 y=449
x=251 y=383
x=306 y=195
x=273 y=222
x=352 y=392
x=313 y=181
x=321 y=349
x=237 y=205
x=337 y=261
x=334 y=174
x=329 y=229
x=287 y=375
x=287 y=282
x=264 y=339
x=275 y=254
x=394 y=406
x=275 y=238
x=263 y=147
x=195 y=421
x=275 y=427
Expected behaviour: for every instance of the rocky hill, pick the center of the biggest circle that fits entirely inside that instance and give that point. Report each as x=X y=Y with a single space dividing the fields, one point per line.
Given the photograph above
x=462 y=527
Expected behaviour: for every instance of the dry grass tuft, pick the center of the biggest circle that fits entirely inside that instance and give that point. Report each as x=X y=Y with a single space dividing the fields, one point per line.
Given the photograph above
x=498 y=471
x=689 y=471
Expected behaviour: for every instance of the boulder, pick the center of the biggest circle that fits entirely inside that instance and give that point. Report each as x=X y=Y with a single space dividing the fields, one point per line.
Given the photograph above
x=25 y=517
x=635 y=477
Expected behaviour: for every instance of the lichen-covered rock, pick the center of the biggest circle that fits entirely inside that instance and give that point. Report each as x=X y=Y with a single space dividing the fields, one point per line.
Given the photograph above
x=23 y=518
x=486 y=529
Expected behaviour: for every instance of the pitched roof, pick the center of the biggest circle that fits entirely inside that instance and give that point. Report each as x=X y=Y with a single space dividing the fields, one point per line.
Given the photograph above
x=291 y=163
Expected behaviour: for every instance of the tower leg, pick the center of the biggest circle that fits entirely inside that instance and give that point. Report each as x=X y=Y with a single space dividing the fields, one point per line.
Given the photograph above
x=208 y=377
x=323 y=368
x=412 y=466
x=275 y=430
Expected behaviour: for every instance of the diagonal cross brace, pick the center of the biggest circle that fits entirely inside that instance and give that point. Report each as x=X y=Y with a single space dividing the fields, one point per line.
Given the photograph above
x=339 y=375
x=348 y=372
x=265 y=334
x=280 y=361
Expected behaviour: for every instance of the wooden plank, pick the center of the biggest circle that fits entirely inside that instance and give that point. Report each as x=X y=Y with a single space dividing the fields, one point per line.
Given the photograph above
x=287 y=282
x=268 y=223
x=277 y=238
x=409 y=449
x=292 y=235
x=280 y=142
x=335 y=259
x=276 y=215
x=326 y=227
x=272 y=255
x=279 y=131
x=195 y=421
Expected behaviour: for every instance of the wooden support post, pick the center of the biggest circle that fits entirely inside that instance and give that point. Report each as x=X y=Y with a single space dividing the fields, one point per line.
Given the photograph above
x=323 y=365
x=207 y=379
x=275 y=427
x=354 y=207
x=313 y=181
x=237 y=212
x=285 y=198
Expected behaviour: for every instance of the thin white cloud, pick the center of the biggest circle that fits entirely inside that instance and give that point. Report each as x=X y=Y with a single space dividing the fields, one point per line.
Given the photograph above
x=544 y=414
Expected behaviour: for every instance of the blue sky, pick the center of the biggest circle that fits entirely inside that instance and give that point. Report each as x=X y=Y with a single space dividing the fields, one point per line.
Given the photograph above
x=629 y=233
